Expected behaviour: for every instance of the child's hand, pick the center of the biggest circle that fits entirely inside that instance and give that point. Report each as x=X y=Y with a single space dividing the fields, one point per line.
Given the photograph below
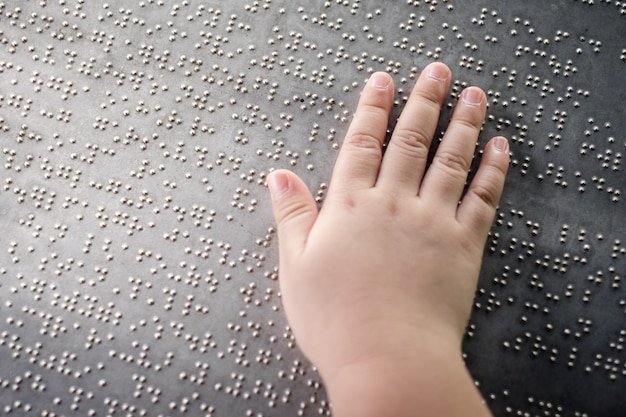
x=379 y=284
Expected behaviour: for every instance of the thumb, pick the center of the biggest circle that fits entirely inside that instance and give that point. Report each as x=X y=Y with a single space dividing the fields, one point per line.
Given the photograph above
x=294 y=210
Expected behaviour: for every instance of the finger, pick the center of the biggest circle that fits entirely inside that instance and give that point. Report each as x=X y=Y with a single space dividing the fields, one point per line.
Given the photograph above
x=406 y=155
x=359 y=159
x=447 y=174
x=294 y=211
x=483 y=195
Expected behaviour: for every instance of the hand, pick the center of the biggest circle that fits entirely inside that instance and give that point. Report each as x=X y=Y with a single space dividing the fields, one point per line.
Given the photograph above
x=383 y=277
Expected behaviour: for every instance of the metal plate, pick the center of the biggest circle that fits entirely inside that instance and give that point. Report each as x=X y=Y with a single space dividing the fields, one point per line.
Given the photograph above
x=138 y=264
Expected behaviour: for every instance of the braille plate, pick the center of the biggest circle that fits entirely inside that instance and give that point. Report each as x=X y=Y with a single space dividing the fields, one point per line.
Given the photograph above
x=138 y=263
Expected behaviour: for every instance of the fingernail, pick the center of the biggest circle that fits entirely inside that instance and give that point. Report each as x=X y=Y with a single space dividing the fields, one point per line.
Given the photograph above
x=438 y=72
x=278 y=184
x=501 y=144
x=380 y=80
x=472 y=96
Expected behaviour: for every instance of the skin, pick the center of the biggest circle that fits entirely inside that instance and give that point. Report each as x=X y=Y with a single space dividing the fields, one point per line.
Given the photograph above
x=378 y=285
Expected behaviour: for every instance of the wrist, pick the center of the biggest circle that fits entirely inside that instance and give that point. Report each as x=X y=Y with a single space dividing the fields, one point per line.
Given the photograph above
x=428 y=381
x=385 y=341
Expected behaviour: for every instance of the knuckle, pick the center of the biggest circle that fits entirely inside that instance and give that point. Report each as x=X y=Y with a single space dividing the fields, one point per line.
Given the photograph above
x=487 y=193
x=429 y=97
x=469 y=119
x=376 y=105
x=293 y=211
x=453 y=162
x=501 y=166
x=363 y=139
x=415 y=141
x=489 y=187
x=466 y=126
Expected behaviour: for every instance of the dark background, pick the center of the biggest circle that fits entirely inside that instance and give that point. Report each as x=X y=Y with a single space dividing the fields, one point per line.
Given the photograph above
x=138 y=265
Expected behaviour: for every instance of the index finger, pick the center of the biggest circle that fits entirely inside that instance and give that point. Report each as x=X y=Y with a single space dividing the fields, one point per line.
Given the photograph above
x=361 y=153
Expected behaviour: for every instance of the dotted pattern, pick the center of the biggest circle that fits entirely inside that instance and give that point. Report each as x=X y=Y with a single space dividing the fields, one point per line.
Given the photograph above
x=138 y=265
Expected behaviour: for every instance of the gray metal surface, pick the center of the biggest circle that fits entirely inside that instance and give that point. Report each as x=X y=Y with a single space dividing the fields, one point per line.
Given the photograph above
x=138 y=255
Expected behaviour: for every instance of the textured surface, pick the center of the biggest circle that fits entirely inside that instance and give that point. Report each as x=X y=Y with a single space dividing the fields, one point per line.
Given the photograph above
x=138 y=261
